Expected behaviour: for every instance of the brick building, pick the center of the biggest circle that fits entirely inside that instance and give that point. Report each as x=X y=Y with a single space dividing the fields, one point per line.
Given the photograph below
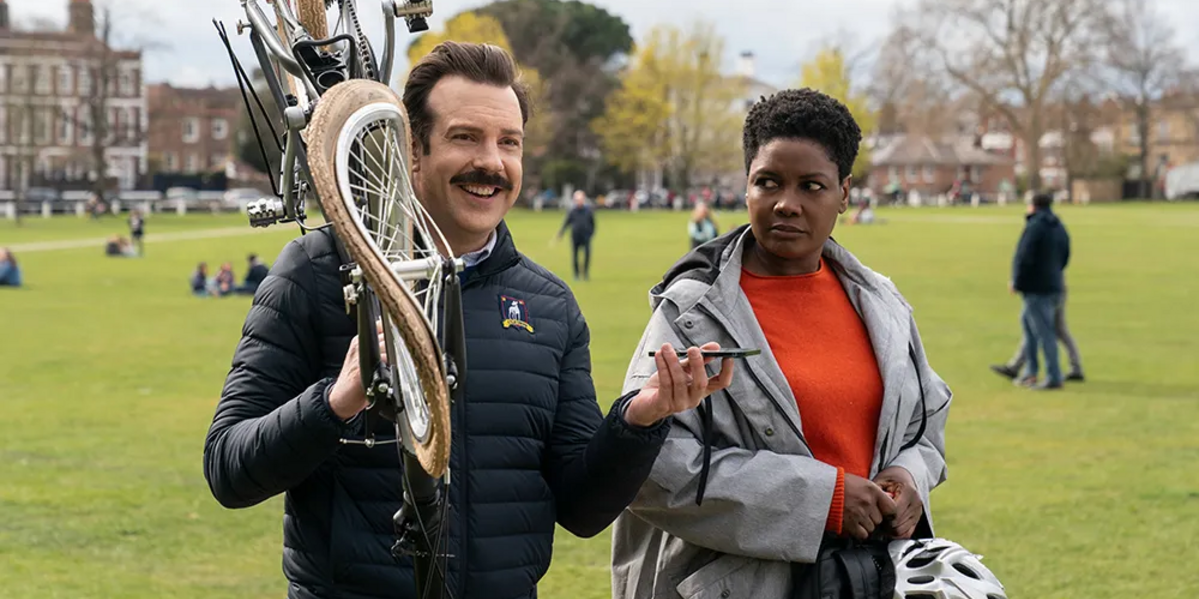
x=47 y=87
x=192 y=130
x=930 y=167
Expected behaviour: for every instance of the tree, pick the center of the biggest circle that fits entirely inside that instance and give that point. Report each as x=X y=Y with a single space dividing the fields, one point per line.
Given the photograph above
x=633 y=128
x=1011 y=52
x=1143 y=61
x=907 y=86
x=827 y=73
x=575 y=47
x=701 y=128
x=246 y=142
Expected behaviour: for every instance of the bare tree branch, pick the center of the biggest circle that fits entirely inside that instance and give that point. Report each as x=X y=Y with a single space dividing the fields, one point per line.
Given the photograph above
x=1013 y=54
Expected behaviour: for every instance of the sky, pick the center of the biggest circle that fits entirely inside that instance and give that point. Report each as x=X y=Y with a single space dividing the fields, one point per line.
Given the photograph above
x=184 y=48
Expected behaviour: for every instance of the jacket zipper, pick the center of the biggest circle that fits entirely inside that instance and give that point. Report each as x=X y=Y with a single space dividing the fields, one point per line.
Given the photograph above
x=757 y=381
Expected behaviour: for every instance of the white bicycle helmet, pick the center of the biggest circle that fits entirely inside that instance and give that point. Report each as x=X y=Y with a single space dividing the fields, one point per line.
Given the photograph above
x=941 y=569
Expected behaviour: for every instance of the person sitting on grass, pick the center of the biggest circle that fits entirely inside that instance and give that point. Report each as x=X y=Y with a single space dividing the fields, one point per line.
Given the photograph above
x=254 y=276
x=10 y=272
x=201 y=285
x=834 y=434
x=226 y=282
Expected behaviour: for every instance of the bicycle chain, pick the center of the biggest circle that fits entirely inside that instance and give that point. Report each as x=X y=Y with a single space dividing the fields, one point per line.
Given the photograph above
x=366 y=55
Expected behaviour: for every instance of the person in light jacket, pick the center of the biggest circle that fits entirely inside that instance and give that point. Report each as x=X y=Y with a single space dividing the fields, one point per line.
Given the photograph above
x=835 y=430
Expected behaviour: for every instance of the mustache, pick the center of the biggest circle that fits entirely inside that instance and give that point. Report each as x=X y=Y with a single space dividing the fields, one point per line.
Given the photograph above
x=481 y=177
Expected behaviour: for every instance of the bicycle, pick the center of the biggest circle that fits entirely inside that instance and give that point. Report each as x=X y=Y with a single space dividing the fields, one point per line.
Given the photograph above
x=346 y=143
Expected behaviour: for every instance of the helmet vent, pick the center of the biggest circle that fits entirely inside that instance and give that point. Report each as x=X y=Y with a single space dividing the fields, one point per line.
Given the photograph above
x=967 y=571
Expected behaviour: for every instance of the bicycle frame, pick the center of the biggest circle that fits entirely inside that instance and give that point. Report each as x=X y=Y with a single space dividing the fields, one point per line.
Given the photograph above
x=418 y=521
x=267 y=45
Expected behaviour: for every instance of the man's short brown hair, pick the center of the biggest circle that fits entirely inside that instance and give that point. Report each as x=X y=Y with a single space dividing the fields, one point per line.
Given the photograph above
x=481 y=63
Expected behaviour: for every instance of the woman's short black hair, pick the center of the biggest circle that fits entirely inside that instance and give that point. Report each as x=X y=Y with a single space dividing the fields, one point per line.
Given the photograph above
x=803 y=114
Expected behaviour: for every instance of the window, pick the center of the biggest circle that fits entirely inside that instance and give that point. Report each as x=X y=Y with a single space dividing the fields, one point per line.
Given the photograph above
x=41 y=79
x=193 y=164
x=929 y=173
x=126 y=84
x=65 y=129
x=220 y=129
x=41 y=126
x=111 y=126
x=911 y=174
x=65 y=80
x=893 y=173
x=1163 y=129
x=3 y=125
x=85 y=126
x=1134 y=134
x=133 y=124
x=20 y=76
x=975 y=174
x=171 y=162
x=191 y=130
x=3 y=78
x=85 y=81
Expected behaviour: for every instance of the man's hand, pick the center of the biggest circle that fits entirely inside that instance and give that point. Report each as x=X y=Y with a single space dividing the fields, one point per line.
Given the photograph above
x=866 y=506
x=676 y=386
x=348 y=397
x=898 y=484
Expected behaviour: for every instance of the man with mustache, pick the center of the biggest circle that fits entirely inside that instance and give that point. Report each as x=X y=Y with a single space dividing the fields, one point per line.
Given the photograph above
x=531 y=447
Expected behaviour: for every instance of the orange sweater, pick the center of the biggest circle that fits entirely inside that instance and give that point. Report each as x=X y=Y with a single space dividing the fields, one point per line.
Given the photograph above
x=824 y=350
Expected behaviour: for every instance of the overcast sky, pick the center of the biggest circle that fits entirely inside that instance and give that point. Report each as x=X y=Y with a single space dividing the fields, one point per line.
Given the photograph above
x=781 y=33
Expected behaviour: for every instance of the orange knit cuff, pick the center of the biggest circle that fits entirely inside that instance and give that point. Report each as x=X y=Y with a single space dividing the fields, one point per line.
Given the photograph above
x=836 y=510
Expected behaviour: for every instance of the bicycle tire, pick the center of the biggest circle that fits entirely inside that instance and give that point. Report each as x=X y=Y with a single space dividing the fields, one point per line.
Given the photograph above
x=312 y=16
x=331 y=116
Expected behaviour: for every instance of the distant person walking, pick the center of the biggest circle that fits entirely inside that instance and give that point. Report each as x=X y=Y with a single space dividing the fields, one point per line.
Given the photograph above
x=137 y=230
x=1011 y=369
x=1038 y=275
x=702 y=227
x=10 y=272
x=581 y=222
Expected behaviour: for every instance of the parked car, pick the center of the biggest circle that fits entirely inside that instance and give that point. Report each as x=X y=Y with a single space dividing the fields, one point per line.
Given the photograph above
x=42 y=194
x=240 y=197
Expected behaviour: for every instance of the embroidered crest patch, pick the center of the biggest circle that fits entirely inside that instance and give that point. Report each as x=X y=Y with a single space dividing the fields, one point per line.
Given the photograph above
x=514 y=313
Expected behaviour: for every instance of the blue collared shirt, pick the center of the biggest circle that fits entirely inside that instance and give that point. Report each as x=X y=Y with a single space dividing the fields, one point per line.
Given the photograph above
x=472 y=259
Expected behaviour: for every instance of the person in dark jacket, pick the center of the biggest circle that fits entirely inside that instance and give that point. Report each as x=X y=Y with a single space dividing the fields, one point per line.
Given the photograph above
x=255 y=274
x=1037 y=274
x=581 y=222
x=137 y=230
x=530 y=446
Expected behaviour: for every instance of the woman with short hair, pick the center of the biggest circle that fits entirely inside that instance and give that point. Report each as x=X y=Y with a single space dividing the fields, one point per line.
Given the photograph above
x=835 y=431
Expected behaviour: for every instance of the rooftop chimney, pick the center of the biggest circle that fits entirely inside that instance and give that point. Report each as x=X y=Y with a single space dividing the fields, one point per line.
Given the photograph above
x=82 y=17
x=745 y=65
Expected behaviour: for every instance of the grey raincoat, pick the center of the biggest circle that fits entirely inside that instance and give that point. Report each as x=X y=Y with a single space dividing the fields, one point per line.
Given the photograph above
x=765 y=500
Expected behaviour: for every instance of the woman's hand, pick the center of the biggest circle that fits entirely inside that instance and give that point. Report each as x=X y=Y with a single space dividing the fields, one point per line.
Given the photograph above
x=866 y=506
x=676 y=386
x=898 y=484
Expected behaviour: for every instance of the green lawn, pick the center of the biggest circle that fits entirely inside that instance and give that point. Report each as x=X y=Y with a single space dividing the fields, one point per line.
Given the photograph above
x=109 y=372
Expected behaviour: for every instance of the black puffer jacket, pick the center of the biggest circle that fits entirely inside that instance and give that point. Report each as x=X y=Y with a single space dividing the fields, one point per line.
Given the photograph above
x=1041 y=255
x=530 y=445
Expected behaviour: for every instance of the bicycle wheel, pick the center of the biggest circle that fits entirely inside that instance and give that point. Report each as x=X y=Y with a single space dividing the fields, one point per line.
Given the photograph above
x=358 y=153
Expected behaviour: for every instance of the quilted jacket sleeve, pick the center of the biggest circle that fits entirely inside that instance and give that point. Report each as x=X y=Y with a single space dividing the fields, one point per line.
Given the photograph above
x=595 y=464
x=273 y=425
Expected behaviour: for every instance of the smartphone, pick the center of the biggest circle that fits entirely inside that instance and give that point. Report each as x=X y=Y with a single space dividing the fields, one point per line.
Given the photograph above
x=728 y=352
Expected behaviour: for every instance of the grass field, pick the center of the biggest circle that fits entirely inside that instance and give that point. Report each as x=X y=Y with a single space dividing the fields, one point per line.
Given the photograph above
x=110 y=369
